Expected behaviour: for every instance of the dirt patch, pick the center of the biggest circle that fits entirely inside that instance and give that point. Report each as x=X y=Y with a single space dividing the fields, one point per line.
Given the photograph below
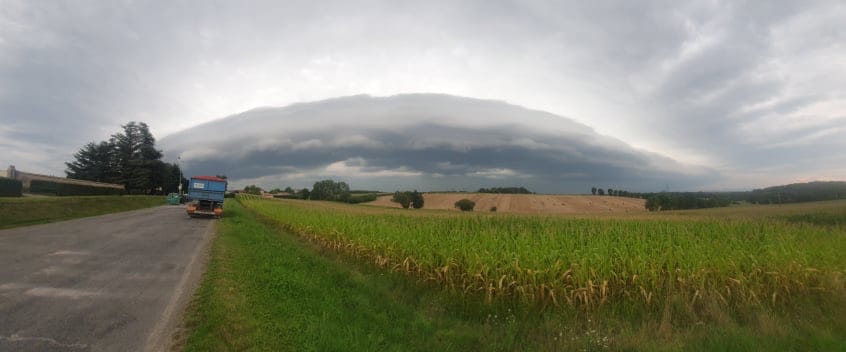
x=530 y=203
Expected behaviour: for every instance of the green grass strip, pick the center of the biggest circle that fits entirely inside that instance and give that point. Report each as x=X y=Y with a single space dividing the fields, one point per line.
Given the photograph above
x=15 y=212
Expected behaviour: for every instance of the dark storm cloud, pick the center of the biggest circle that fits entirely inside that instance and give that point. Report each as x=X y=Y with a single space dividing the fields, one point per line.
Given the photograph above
x=413 y=141
x=742 y=87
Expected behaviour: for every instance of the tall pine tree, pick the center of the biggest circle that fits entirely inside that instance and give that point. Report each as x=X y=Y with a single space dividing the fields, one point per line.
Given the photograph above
x=94 y=162
x=130 y=158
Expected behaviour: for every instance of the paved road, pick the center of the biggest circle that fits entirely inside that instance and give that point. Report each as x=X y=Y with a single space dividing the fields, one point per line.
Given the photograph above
x=115 y=282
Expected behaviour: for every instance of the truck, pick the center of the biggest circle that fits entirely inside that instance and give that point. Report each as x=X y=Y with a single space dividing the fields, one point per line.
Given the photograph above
x=207 y=194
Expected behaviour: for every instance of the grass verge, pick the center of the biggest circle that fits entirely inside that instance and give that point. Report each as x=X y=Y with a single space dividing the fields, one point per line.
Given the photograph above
x=15 y=212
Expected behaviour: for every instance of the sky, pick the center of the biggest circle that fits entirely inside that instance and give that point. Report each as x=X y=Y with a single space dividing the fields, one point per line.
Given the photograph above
x=754 y=93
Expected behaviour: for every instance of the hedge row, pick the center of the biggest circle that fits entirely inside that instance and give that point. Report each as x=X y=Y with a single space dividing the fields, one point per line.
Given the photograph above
x=361 y=198
x=65 y=189
x=10 y=187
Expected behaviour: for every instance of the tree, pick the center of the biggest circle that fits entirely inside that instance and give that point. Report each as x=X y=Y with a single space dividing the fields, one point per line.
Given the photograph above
x=304 y=193
x=465 y=204
x=417 y=199
x=652 y=203
x=610 y=192
x=275 y=191
x=330 y=190
x=94 y=162
x=129 y=157
x=600 y=192
x=593 y=190
x=138 y=163
x=185 y=184
x=402 y=198
x=252 y=189
x=408 y=199
x=171 y=177
x=289 y=190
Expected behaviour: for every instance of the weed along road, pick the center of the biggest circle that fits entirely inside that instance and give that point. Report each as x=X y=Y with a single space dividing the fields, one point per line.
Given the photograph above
x=115 y=282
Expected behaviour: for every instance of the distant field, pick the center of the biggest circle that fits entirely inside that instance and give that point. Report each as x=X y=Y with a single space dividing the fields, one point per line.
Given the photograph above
x=530 y=203
x=15 y=212
x=742 y=271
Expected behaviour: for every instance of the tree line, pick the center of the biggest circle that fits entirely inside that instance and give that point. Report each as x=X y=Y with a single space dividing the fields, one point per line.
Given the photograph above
x=329 y=190
x=670 y=200
x=506 y=190
x=791 y=193
x=685 y=200
x=339 y=191
x=798 y=192
x=128 y=157
x=614 y=192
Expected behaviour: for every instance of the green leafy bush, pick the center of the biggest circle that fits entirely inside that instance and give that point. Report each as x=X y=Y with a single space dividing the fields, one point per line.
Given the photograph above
x=252 y=189
x=465 y=205
x=330 y=190
x=10 y=187
x=361 y=198
x=403 y=198
x=416 y=199
x=408 y=199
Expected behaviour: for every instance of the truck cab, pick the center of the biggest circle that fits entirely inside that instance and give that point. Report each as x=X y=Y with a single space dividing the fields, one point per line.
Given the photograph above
x=207 y=194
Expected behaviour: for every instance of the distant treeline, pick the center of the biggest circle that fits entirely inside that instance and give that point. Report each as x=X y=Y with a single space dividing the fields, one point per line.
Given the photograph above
x=670 y=200
x=792 y=193
x=616 y=193
x=506 y=190
x=799 y=192
x=685 y=200
x=322 y=190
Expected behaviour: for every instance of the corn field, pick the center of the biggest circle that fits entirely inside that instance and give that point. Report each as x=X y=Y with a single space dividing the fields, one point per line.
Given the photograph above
x=581 y=262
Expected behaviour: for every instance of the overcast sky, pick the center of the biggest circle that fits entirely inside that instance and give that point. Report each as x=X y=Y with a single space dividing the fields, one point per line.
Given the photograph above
x=753 y=91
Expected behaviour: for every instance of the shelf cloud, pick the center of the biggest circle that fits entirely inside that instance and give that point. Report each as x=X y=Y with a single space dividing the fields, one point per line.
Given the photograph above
x=424 y=141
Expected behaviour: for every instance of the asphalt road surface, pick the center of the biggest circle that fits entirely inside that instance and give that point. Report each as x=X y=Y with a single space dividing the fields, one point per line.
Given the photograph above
x=116 y=282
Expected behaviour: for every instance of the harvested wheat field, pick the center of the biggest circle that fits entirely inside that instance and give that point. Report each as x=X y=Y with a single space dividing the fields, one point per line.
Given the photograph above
x=530 y=203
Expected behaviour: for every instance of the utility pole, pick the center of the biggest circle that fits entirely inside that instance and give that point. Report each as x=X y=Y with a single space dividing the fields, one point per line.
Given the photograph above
x=178 y=159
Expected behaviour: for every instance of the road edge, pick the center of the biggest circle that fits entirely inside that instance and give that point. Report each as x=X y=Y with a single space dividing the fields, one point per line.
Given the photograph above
x=163 y=335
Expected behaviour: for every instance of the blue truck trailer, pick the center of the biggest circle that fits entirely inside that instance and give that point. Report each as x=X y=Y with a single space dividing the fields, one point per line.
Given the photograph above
x=207 y=194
